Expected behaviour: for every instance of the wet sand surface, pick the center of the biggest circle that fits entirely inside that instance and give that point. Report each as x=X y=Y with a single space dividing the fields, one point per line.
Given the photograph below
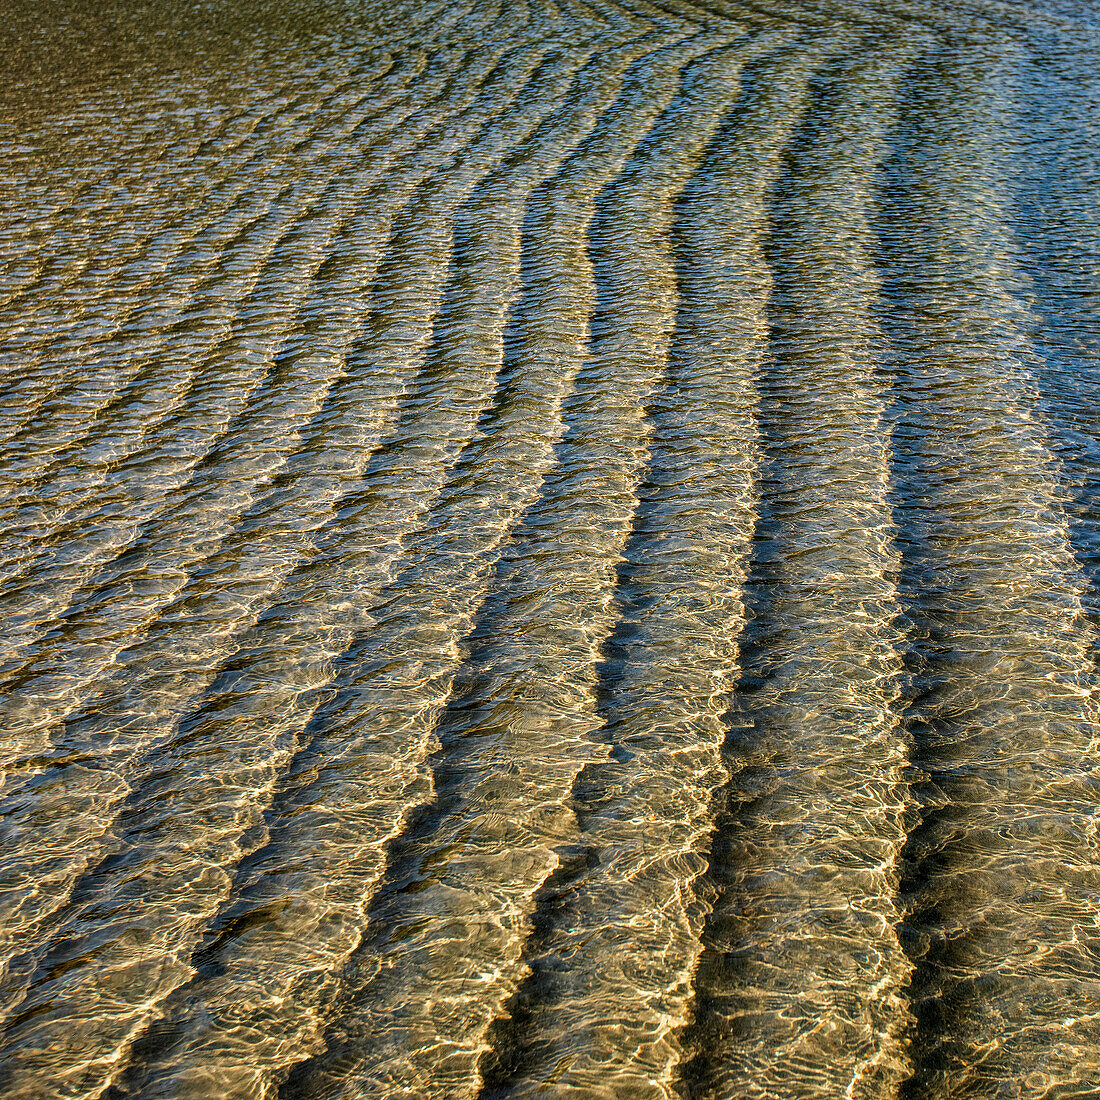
x=550 y=549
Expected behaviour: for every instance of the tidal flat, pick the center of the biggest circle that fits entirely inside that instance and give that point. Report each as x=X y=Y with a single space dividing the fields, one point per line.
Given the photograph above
x=550 y=548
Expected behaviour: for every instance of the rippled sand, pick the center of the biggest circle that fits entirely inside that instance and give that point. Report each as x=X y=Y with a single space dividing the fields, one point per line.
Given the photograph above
x=550 y=549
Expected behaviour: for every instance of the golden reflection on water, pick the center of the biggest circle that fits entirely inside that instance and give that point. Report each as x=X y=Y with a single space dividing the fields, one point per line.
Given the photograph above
x=549 y=549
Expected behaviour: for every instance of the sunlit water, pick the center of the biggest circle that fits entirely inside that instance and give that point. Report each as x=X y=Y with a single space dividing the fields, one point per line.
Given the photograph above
x=550 y=548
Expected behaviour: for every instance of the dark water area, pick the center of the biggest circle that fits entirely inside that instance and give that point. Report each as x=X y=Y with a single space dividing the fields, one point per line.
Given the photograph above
x=550 y=548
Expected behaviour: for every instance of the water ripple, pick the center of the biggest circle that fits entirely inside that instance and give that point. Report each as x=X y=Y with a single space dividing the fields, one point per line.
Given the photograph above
x=549 y=548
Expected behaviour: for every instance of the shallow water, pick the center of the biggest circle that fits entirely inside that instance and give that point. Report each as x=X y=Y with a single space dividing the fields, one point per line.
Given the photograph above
x=550 y=548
